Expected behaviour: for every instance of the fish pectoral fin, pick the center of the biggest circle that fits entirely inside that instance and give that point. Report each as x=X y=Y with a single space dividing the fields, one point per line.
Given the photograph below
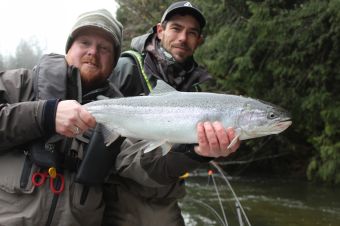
x=155 y=144
x=109 y=135
x=166 y=147
x=237 y=136
x=110 y=139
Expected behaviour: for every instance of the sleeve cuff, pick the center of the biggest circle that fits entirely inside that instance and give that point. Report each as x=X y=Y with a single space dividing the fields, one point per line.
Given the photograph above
x=193 y=155
x=49 y=114
x=188 y=150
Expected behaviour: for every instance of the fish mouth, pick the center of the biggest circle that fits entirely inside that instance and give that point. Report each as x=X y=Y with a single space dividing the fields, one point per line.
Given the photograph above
x=284 y=124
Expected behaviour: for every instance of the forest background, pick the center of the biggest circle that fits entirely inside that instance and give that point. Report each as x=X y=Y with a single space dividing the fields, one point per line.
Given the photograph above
x=286 y=52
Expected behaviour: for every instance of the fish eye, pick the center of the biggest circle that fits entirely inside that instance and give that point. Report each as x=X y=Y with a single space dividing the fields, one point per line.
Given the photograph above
x=271 y=115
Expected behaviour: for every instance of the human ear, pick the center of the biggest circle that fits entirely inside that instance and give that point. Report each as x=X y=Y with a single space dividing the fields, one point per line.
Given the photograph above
x=159 y=31
x=200 y=40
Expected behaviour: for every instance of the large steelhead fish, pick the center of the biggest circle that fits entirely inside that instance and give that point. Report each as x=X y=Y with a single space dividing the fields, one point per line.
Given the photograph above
x=170 y=116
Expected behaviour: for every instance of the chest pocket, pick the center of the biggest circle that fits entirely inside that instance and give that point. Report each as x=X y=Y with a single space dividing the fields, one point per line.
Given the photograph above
x=12 y=165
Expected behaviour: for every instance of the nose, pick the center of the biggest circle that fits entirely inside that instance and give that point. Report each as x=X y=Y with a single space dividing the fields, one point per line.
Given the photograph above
x=182 y=36
x=92 y=50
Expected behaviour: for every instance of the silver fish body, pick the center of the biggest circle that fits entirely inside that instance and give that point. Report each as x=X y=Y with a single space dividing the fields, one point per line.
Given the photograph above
x=172 y=116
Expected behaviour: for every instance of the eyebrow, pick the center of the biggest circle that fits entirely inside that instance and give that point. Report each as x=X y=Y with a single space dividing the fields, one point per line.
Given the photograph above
x=180 y=25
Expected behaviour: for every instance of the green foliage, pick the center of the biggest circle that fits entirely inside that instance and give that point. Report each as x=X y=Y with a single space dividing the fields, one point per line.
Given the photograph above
x=287 y=54
x=138 y=16
x=282 y=51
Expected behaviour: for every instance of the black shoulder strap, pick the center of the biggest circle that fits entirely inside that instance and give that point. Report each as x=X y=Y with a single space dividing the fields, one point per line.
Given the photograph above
x=138 y=58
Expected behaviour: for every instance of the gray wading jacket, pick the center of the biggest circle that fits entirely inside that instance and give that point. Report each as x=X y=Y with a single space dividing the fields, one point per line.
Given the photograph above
x=21 y=123
x=146 y=188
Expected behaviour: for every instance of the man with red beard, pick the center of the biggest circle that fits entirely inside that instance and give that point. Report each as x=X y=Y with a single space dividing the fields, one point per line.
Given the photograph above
x=46 y=134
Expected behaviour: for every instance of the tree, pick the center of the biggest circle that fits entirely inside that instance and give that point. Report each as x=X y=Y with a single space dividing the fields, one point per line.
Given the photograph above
x=2 y=66
x=26 y=55
x=286 y=52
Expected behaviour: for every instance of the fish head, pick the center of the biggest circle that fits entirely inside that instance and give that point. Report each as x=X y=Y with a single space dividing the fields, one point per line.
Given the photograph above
x=259 y=118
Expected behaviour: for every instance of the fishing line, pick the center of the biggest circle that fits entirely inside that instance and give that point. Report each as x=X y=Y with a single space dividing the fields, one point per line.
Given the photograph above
x=219 y=197
x=231 y=189
x=208 y=207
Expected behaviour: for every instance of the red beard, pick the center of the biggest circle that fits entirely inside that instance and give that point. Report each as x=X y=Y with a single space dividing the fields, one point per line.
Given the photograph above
x=90 y=75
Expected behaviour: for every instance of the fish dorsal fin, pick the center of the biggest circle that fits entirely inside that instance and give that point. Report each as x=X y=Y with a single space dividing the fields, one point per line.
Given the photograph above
x=162 y=88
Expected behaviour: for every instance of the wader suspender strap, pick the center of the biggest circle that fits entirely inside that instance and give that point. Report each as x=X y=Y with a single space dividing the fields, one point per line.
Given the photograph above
x=139 y=60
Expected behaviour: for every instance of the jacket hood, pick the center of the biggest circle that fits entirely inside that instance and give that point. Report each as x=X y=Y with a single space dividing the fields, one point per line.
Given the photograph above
x=139 y=43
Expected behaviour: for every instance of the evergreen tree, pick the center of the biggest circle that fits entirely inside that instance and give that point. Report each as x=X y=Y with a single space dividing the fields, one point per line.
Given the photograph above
x=2 y=67
x=286 y=52
x=26 y=55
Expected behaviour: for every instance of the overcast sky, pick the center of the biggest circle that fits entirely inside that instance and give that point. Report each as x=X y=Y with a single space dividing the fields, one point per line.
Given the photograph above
x=48 y=21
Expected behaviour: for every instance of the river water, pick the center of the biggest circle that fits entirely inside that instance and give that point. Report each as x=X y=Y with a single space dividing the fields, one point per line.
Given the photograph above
x=265 y=201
